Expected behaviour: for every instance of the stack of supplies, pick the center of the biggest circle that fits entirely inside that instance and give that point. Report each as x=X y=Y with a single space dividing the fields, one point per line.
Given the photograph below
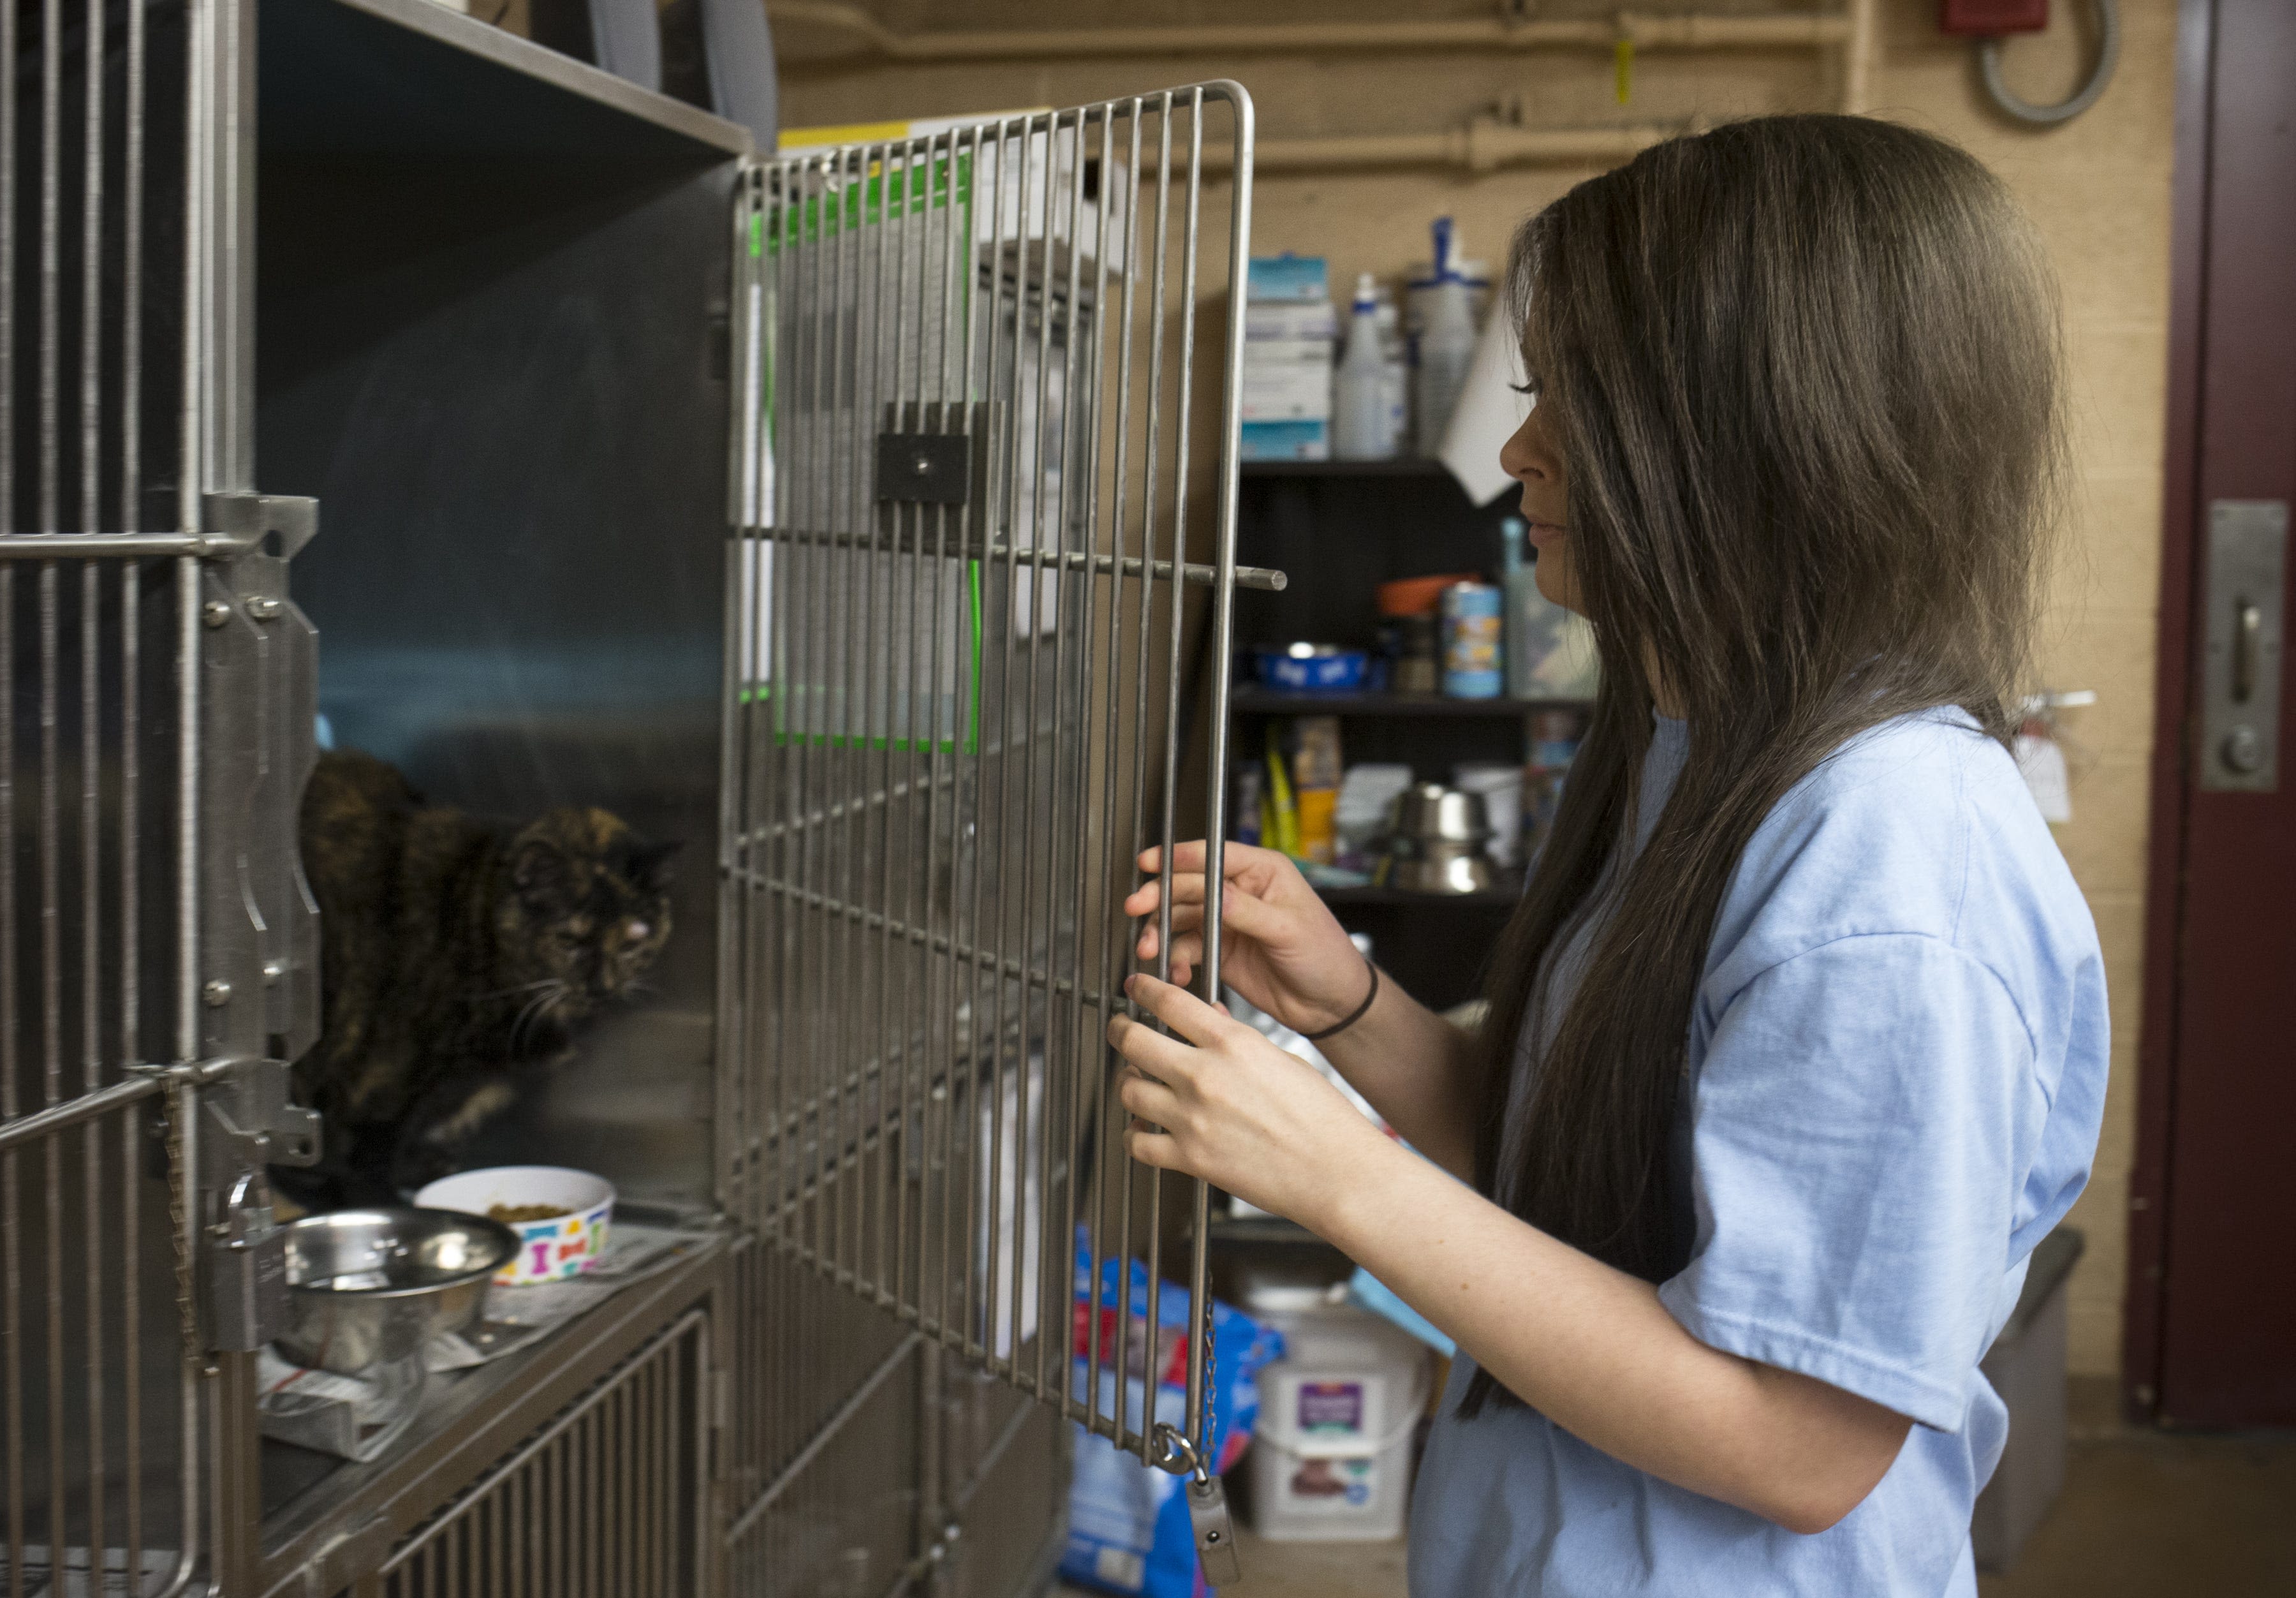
x=1289 y=332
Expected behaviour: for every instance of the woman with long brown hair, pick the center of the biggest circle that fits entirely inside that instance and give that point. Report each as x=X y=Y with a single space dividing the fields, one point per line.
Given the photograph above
x=1796 y=1045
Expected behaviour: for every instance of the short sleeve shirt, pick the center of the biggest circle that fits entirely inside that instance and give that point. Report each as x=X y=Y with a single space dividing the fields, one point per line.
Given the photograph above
x=1896 y=1076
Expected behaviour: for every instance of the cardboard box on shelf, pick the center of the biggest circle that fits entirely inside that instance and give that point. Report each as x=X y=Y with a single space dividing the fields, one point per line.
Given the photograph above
x=1287 y=441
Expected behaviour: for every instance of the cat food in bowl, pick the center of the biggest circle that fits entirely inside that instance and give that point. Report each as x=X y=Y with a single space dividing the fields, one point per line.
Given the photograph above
x=559 y=1216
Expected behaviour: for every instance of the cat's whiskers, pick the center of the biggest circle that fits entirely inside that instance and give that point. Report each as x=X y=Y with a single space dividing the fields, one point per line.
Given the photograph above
x=523 y=987
x=537 y=1010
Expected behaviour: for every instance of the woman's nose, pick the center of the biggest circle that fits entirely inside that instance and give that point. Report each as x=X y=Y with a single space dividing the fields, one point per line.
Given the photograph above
x=1522 y=459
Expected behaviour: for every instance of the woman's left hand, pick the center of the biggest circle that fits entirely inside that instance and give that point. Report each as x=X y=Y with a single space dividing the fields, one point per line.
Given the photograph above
x=1218 y=1100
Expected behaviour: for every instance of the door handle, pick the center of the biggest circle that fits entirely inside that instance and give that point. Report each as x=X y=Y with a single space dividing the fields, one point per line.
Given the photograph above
x=2247 y=633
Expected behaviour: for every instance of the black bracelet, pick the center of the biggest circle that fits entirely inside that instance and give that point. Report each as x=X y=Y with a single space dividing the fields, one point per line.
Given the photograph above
x=1361 y=1010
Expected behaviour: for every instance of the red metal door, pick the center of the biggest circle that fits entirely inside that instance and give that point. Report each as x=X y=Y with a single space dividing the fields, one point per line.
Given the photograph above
x=2213 y=1300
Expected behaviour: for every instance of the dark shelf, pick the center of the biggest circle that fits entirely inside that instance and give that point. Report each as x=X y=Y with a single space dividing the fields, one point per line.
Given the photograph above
x=1252 y=700
x=1407 y=465
x=1370 y=895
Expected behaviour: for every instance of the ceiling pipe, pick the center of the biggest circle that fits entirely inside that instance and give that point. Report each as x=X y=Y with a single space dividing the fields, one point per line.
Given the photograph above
x=1483 y=145
x=794 y=20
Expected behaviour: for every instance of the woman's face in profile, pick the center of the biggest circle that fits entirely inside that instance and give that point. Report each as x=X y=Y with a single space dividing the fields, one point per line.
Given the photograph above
x=1532 y=459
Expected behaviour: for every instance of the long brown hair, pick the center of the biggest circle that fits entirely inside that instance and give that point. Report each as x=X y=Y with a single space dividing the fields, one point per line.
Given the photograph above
x=1803 y=373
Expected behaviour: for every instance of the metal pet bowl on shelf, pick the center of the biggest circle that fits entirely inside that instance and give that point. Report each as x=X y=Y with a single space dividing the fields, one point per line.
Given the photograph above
x=366 y=1287
x=1441 y=842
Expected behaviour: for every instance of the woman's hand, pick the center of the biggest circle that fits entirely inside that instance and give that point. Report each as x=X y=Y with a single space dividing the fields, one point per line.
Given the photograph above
x=1283 y=950
x=1220 y=1102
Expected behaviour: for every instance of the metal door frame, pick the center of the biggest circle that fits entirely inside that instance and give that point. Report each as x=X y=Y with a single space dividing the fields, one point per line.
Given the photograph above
x=2205 y=463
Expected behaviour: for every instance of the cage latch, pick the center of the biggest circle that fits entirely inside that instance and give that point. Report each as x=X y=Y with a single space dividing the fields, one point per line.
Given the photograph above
x=1214 y=1533
x=924 y=468
x=247 y=1268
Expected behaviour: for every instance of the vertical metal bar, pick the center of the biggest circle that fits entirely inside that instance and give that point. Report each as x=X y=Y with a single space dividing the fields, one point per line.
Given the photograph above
x=939 y=975
x=1115 y=1161
x=1001 y=949
x=182 y=1099
x=968 y=690
x=804 y=709
x=895 y=645
x=131 y=484
x=12 y=1347
x=905 y=561
x=1089 y=1111
x=91 y=466
x=1223 y=646
x=52 y=1042
x=12 y=1256
x=1152 y=466
x=997 y=501
x=1199 y=1260
x=1024 y=1067
x=850 y=795
x=1054 y=1249
x=92 y=1030
x=12 y=1363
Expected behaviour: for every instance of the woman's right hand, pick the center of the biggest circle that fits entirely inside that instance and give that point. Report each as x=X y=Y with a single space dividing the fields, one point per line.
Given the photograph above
x=1281 y=946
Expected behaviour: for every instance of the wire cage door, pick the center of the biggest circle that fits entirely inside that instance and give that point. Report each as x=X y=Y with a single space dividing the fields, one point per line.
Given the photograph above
x=157 y=951
x=985 y=503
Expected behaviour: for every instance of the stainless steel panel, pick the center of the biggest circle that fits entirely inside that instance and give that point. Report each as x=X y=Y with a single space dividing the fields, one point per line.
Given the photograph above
x=2242 y=640
x=610 y=1498
x=504 y=392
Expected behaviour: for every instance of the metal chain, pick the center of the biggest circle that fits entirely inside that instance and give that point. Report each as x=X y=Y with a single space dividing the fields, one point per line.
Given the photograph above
x=180 y=1105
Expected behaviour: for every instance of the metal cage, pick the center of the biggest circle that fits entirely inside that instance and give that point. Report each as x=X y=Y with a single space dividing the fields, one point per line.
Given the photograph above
x=983 y=497
x=988 y=382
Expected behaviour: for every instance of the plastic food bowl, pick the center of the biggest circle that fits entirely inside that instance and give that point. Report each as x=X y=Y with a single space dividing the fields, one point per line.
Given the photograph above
x=550 y=1247
x=1311 y=668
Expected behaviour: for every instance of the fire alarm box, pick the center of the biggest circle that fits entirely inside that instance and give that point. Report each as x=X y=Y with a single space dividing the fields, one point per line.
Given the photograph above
x=1992 y=17
x=1989 y=19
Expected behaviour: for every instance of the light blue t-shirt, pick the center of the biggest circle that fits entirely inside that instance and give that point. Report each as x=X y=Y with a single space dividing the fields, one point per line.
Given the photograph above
x=1896 y=1073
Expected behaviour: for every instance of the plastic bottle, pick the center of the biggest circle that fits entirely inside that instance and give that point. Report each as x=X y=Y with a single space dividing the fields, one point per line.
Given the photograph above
x=1447 y=347
x=1522 y=601
x=1361 y=427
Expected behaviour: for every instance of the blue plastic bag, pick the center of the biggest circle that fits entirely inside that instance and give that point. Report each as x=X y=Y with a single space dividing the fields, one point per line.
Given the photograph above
x=1128 y=1530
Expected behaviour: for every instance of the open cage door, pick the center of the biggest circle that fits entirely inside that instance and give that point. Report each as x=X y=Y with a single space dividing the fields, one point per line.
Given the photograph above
x=984 y=498
x=157 y=946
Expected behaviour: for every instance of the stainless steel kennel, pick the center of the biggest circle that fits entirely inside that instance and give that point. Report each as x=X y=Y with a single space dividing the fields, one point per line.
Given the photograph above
x=921 y=708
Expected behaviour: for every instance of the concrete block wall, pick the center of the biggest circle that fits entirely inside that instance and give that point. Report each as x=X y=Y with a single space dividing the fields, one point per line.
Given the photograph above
x=2098 y=188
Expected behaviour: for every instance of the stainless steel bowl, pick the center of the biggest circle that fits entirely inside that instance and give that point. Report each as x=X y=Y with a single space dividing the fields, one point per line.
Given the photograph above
x=1442 y=866
x=1430 y=812
x=366 y=1287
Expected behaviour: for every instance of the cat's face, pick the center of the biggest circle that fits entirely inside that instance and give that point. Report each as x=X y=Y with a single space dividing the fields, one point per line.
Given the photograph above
x=588 y=907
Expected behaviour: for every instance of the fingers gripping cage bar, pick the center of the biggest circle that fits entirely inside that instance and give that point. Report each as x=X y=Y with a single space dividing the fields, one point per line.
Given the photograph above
x=987 y=413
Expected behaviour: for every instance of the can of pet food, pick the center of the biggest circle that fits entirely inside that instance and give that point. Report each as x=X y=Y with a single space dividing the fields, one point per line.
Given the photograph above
x=1473 y=666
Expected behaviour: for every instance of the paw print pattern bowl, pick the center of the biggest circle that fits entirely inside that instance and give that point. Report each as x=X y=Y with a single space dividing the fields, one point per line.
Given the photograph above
x=551 y=1248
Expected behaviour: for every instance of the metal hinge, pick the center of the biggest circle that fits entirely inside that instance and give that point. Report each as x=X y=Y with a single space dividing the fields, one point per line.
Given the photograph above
x=252 y=520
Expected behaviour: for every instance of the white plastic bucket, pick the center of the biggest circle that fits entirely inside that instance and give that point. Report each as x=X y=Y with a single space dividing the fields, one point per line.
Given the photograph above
x=1330 y=1453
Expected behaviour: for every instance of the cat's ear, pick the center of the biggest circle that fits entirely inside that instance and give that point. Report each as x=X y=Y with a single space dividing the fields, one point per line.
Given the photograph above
x=657 y=865
x=543 y=875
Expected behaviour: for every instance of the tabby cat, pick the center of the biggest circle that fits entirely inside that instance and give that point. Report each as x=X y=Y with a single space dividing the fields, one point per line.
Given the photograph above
x=456 y=959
